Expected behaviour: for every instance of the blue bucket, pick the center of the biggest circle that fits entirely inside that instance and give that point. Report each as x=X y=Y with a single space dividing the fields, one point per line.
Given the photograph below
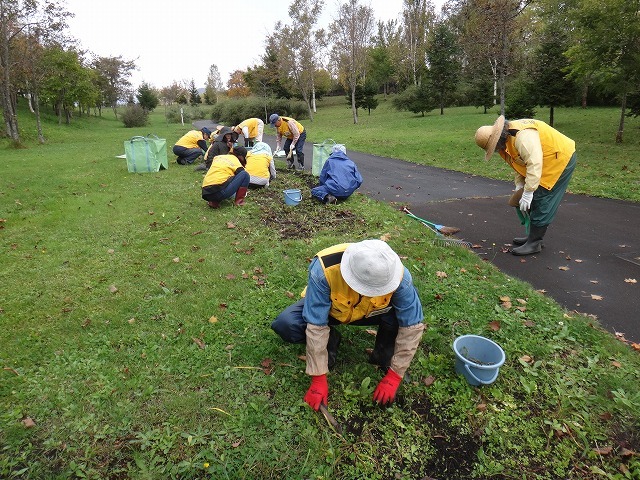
x=292 y=196
x=478 y=359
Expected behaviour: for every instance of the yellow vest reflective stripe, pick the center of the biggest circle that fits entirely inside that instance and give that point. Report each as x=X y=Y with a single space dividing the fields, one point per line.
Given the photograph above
x=347 y=305
x=557 y=150
x=283 y=129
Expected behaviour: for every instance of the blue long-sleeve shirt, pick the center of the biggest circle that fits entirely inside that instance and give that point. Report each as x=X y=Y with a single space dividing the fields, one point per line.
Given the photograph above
x=317 y=303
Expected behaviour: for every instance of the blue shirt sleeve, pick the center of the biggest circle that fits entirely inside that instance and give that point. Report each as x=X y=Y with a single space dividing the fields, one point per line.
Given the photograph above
x=406 y=302
x=317 y=300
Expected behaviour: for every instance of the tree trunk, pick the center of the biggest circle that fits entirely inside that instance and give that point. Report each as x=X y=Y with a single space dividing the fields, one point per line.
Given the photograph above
x=8 y=109
x=551 y=116
x=585 y=91
x=622 y=115
x=36 y=106
x=353 y=105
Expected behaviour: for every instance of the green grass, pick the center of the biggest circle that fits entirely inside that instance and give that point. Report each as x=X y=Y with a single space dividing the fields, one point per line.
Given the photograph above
x=111 y=280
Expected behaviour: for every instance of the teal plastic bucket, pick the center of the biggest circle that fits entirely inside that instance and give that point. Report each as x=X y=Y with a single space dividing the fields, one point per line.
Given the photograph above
x=478 y=359
x=292 y=196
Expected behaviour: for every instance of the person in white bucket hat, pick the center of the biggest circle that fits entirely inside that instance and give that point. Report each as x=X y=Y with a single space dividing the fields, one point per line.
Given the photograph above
x=363 y=283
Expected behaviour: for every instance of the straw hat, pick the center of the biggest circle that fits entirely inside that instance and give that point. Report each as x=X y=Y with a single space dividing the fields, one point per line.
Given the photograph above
x=487 y=136
x=371 y=268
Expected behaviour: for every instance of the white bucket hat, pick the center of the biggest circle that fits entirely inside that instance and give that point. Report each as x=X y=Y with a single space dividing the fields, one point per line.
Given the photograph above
x=371 y=268
x=487 y=136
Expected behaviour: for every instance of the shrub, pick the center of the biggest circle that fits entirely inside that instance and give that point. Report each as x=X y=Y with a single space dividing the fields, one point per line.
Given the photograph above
x=135 y=116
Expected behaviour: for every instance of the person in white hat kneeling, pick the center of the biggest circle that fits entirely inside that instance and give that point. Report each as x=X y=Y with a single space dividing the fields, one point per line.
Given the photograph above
x=543 y=160
x=363 y=283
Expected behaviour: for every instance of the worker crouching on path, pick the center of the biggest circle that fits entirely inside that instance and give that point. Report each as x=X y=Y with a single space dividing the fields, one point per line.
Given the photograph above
x=543 y=160
x=225 y=178
x=360 y=283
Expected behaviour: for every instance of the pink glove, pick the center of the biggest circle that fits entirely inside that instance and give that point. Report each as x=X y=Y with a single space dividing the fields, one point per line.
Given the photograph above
x=318 y=392
x=386 y=390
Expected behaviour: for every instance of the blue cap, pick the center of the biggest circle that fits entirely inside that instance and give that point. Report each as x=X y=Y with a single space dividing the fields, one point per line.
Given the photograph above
x=206 y=131
x=273 y=119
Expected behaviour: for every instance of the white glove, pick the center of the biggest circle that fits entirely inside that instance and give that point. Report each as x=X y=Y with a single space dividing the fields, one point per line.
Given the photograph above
x=525 y=201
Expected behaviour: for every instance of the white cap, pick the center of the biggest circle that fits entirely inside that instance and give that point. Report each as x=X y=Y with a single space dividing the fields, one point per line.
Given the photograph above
x=371 y=268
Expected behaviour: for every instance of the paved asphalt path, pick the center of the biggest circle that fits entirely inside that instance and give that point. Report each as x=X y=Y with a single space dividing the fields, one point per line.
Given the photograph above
x=591 y=248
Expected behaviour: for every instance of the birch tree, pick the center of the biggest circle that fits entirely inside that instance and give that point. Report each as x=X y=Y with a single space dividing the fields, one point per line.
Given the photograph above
x=351 y=35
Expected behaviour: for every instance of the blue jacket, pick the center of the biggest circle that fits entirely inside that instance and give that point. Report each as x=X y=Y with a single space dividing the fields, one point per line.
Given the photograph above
x=339 y=177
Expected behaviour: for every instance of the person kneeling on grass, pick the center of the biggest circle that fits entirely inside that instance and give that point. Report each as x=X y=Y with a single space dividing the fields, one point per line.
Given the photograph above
x=260 y=165
x=226 y=177
x=339 y=177
x=360 y=283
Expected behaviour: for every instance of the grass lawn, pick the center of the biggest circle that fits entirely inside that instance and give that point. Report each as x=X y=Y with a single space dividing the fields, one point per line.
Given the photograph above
x=135 y=339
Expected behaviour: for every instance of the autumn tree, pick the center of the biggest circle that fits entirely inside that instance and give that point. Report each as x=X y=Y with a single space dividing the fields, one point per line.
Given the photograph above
x=350 y=35
x=237 y=86
x=417 y=19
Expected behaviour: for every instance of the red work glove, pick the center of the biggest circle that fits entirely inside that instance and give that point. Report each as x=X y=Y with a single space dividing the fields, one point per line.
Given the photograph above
x=386 y=390
x=318 y=392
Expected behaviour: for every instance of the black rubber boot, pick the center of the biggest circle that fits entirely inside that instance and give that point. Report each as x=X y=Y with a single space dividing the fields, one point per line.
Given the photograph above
x=332 y=346
x=521 y=241
x=385 y=345
x=300 y=158
x=533 y=243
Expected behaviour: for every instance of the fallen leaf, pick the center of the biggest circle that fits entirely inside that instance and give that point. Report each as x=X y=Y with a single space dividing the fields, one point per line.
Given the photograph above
x=222 y=306
x=577 y=260
x=506 y=305
x=28 y=422
x=113 y=288
x=596 y=297
x=111 y=251
x=462 y=270
x=522 y=309
x=86 y=323
x=213 y=319
x=526 y=359
x=476 y=246
x=504 y=298
x=267 y=362
x=636 y=346
x=603 y=450
x=630 y=280
x=236 y=444
x=176 y=259
x=625 y=452
x=563 y=268
x=521 y=301
x=302 y=357
x=132 y=320
x=593 y=281
x=606 y=416
x=494 y=326
x=441 y=274
x=541 y=290
x=528 y=323
x=230 y=276
x=386 y=237
x=198 y=342
x=371 y=332
x=229 y=347
x=429 y=380
x=523 y=260
x=616 y=364
x=481 y=407
x=231 y=225
x=289 y=294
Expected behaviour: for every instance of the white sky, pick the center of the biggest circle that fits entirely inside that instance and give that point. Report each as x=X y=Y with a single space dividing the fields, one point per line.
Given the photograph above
x=177 y=40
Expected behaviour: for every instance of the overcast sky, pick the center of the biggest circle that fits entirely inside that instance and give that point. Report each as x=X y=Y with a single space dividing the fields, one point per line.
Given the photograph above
x=176 y=40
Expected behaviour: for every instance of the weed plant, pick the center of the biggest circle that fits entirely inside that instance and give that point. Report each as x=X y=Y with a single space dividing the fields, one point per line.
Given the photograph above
x=136 y=340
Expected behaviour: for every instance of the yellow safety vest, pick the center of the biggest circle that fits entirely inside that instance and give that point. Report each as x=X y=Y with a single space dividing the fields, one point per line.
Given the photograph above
x=283 y=129
x=347 y=305
x=557 y=150
x=222 y=168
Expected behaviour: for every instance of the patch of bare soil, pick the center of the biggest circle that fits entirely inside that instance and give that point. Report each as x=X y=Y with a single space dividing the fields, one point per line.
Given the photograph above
x=309 y=216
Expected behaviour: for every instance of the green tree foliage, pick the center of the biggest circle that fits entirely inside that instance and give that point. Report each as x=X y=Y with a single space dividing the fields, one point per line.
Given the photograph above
x=135 y=116
x=609 y=44
x=549 y=69
x=444 y=63
x=147 y=97
x=365 y=96
x=481 y=92
x=416 y=99
x=194 y=95
x=520 y=101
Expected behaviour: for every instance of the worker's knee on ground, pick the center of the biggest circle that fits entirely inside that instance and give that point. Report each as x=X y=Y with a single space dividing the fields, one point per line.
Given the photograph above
x=288 y=330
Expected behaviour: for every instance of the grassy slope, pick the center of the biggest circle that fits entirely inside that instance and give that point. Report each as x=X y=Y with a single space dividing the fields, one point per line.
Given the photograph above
x=118 y=387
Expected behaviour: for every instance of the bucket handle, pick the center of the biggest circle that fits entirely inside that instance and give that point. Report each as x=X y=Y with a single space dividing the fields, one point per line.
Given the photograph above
x=485 y=382
x=295 y=199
